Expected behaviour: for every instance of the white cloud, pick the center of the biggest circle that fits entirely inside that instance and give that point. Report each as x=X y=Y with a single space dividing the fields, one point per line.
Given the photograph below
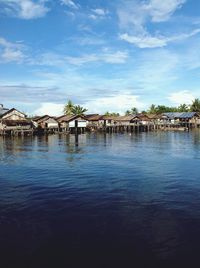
x=118 y=57
x=148 y=41
x=181 y=97
x=160 y=10
x=11 y=51
x=137 y=13
x=69 y=3
x=116 y=103
x=52 y=109
x=25 y=9
x=145 y=41
x=115 y=58
x=10 y=55
x=134 y=15
x=92 y=16
x=98 y=13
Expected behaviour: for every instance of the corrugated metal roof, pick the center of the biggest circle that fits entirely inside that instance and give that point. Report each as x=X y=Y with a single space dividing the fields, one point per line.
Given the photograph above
x=188 y=115
x=179 y=115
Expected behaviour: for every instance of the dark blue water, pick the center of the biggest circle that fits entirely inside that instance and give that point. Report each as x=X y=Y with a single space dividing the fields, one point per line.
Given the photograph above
x=100 y=201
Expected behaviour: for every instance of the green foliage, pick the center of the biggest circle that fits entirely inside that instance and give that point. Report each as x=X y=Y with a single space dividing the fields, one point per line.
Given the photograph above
x=68 y=108
x=111 y=114
x=133 y=110
x=78 y=110
x=183 y=108
x=128 y=112
x=159 y=109
x=152 y=109
x=195 y=106
x=71 y=109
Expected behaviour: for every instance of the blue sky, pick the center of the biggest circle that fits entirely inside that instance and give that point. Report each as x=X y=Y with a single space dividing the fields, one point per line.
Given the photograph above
x=104 y=55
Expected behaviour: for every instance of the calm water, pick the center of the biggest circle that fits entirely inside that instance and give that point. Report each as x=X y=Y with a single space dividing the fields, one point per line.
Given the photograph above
x=100 y=201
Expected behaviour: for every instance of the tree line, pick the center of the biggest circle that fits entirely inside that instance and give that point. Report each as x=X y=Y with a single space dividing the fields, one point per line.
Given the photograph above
x=71 y=109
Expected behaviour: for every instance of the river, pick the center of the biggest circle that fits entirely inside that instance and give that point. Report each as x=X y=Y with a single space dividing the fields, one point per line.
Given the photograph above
x=100 y=200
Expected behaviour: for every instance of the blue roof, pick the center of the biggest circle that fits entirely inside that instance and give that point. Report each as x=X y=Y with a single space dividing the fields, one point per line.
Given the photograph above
x=180 y=115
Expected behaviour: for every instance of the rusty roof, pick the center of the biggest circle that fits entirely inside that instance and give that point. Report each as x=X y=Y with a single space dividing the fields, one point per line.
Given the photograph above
x=68 y=118
x=94 y=117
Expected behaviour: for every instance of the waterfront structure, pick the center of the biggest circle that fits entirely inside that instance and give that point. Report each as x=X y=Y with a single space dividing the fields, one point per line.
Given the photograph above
x=71 y=123
x=46 y=124
x=14 y=122
x=94 y=120
x=189 y=119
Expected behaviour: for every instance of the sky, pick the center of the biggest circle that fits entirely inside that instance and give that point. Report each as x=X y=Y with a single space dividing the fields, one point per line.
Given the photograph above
x=103 y=55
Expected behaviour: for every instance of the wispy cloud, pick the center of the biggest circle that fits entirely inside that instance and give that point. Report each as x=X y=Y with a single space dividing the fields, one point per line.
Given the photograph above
x=29 y=92
x=11 y=52
x=25 y=9
x=159 y=10
x=60 y=60
x=148 y=41
x=98 y=13
x=118 y=57
x=70 y=4
x=134 y=17
x=135 y=14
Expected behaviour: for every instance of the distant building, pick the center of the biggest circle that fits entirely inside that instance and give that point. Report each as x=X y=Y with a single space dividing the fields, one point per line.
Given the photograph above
x=13 y=119
x=68 y=122
x=95 y=120
x=46 y=122
x=190 y=119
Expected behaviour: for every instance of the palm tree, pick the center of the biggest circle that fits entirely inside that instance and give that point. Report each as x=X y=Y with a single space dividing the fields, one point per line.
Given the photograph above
x=134 y=110
x=183 y=108
x=152 y=109
x=111 y=114
x=68 y=108
x=195 y=107
x=78 y=110
x=127 y=112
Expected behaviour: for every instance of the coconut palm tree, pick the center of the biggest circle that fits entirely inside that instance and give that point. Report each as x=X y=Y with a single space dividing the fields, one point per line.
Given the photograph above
x=195 y=107
x=183 y=108
x=152 y=109
x=134 y=110
x=68 y=108
x=78 y=110
x=111 y=114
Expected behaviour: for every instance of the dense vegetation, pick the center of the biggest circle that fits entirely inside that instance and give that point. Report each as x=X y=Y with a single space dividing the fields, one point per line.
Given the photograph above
x=159 y=109
x=71 y=109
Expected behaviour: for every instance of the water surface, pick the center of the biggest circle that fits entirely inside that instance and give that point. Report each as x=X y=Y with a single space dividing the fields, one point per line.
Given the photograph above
x=100 y=200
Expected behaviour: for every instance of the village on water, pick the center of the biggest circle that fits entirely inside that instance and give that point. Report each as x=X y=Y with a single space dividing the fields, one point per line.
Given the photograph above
x=75 y=120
